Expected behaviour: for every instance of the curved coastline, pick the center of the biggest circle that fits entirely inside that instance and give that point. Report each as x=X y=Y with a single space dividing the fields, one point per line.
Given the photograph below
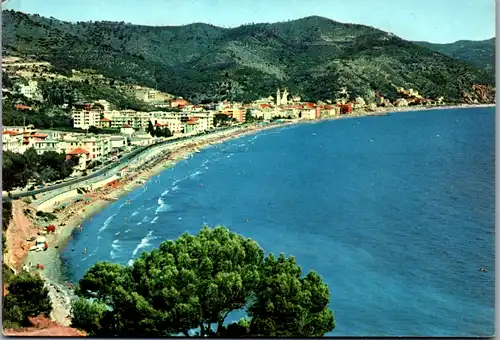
x=60 y=292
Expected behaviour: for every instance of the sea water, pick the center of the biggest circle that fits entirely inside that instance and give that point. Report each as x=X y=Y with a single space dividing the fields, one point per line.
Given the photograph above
x=396 y=214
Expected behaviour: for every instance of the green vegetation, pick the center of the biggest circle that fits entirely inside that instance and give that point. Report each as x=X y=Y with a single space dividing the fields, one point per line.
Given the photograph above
x=50 y=113
x=249 y=118
x=193 y=283
x=27 y=297
x=6 y=218
x=50 y=166
x=221 y=119
x=313 y=56
x=61 y=92
x=46 y=215
x=158 y=131
x=99 y=131
x=41 y=116
x=7 y=274
x=481 y=54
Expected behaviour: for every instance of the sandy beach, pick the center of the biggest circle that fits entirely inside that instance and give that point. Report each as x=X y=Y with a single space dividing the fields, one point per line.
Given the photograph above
x=74 y=213
x=70 y=217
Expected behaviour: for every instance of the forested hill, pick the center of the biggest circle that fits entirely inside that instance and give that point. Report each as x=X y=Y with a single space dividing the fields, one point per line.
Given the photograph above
x=313 y=57
x=478 y=53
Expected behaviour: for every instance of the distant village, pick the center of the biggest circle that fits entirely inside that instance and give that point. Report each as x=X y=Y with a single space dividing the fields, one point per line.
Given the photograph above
x=181 y=117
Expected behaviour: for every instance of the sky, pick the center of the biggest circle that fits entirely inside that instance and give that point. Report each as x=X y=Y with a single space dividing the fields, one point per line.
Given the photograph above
x=438 y=21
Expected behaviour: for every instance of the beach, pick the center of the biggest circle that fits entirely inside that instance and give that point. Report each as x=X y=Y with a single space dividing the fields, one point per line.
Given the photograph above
x=73 y=214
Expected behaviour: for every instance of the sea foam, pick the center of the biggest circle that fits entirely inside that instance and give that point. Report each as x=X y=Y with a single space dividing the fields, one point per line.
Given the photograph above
x=106 y=223
x=145 y=242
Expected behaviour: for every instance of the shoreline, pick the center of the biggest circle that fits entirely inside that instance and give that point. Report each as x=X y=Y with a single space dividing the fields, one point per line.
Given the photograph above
x=77 y=213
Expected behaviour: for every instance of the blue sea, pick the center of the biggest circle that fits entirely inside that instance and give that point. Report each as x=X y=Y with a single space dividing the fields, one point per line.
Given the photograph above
x=396 y=213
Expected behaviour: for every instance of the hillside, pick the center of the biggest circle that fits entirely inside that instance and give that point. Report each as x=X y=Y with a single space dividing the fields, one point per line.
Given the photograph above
x=313 y=57
x=58 y=90
x=481 y=54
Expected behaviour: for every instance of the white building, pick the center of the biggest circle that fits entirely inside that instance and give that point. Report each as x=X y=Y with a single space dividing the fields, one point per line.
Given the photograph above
x=118 y=143
x=27 y=128
x=99 y=147
x=30 y=90
x=12 y=141
x=141 y=139
x=127 y=130
x=83 y=119
x=45 y=145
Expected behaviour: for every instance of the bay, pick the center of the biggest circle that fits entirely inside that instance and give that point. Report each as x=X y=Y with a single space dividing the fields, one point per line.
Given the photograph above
x=396 y=214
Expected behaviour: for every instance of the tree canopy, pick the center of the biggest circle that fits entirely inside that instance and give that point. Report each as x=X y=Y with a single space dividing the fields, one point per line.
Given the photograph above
x=18 y=168
x=193 y=283
x=27 y=297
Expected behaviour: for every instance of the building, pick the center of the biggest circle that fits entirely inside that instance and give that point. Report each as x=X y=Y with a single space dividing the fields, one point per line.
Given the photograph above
x=205 y=120
x=30 y=90
x=191 y=126
x=27 y=128
x=141 y=138
x=178 y=102
x=281 y=99
x=236 y=113
x=23 y=107
x=308 y=113
x=87 y=115
x=99 y=147
x=12 y=141
x=118 y=143
x=31 y=138
x=329 y=111
x=345 y=108
x=83 y=158
x=127 y=130
x=44 y=145
x=104 y=123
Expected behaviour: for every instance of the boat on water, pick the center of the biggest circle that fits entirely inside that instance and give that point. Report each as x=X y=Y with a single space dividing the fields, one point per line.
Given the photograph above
x=197 y=151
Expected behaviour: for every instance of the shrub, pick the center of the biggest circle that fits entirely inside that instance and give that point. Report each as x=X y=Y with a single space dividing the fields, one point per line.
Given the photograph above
x=27 y=297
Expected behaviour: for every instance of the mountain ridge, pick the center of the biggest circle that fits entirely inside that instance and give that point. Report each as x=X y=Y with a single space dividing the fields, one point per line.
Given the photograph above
x=479 y=53
x=312 y=56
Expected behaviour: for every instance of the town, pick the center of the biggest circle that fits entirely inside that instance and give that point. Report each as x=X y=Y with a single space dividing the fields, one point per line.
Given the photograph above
x=102 y=133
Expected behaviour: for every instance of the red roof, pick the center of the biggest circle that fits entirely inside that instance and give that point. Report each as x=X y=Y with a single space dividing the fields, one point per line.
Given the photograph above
x=310 y=105
x=192 y=122
x=22 y=107
x=105 y=119
x=126 y=126
x=160 y=125
x=12 y=133
x=78 y=151
x=265 y=106
x=40 y=135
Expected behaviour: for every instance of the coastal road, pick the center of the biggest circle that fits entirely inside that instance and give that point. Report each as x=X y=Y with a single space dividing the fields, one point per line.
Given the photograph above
x=111 y=169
